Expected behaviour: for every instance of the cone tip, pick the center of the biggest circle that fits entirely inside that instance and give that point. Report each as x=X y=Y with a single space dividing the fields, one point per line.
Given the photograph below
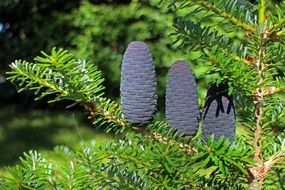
x=137 y=44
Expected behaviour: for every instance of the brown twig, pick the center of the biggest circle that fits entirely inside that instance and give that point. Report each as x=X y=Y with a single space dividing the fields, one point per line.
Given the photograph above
x=163 y=140
x=97 y=109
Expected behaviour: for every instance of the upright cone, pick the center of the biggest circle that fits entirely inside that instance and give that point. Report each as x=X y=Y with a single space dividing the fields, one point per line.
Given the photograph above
x=138 y=84
x=219 y=113
x=181 y=99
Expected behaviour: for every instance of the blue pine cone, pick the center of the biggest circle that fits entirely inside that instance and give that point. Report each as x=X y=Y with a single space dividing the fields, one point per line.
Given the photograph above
x=138 y=84
x=181 y=99
x=219 y=113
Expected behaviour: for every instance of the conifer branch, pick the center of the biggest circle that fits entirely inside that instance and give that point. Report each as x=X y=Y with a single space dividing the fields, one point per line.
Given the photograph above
x=258 y=170
x=275 y=29
x=225 y=15
x=103 y=111
x=153 y=132
x=19 y=73
x=259 y=100
x=194 y=37
x=263 y=170
x=278 y=156
x=163 y=140
x=262 y=12
x=275 y=119
x=58 y=76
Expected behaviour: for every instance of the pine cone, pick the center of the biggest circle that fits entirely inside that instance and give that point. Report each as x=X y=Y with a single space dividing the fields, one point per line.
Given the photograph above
x=219 y=113
x=138 y=84
x=181 y=99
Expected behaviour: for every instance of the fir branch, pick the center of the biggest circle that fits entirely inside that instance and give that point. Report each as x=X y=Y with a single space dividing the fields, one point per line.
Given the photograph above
x=273 y=112
x=138 y=154
x=224 y=155
x=275 y=90
x=225 y=15
x=276 y=27
x=276 y=31
x=238 y=75
x=259 y=95
x=277 y=156
x=162 y=133
x=275 y=178
x=276 y=149
x=104 y=111
x=211 y=6
x=232 y=181
x=120 y=152
x=195 y=37
x=157 y=131
x=183 y=146
x=259 y=98
x=61 y=74
x=28 y=73
x=262 y=12
x=116 y=177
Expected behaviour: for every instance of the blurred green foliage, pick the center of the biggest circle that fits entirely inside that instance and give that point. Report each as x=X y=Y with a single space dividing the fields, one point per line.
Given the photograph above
x=96 y=30
x=22 y=130
x=27 y=27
